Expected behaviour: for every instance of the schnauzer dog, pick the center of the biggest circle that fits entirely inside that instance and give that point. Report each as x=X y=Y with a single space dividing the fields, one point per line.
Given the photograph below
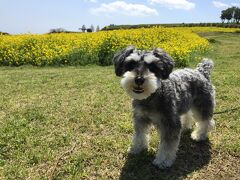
x=167 y=100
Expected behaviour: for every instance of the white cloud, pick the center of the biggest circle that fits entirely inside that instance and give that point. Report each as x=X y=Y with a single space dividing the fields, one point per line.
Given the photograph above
x=219 y=4
x=174 y=4
x=123 y=8
x=92 y=1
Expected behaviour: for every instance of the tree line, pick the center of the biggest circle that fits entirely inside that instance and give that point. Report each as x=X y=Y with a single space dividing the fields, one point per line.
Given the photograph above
x=91 y=29
x=231 y=14
x=83 y=29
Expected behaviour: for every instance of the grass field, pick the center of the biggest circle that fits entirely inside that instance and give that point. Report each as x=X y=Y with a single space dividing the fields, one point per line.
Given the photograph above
x=75 y=123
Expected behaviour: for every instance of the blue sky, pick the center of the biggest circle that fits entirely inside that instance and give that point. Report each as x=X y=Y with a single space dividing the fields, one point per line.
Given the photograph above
x=39 y=16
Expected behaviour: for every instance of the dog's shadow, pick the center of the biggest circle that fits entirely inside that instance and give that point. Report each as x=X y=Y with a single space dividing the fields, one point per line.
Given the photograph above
x=191 y=156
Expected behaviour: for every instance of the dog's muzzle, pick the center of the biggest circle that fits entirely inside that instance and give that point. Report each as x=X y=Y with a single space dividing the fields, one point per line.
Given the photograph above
x=139 y=82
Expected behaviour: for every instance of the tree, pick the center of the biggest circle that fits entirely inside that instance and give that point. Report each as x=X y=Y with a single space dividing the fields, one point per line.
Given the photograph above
x=83 y=28
x=223 y=16
x=229 y=14
x=232 y=13
x=92 y=28
x=236 y=15
x=97 y=28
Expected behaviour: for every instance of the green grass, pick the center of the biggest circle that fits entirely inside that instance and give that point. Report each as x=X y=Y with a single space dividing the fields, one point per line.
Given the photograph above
x=75 y=123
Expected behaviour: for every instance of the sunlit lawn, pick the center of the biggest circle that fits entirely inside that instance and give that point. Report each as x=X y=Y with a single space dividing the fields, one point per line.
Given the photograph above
x=75 y=123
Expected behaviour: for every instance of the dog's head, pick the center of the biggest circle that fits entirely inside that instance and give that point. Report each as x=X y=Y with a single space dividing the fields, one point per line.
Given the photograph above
x=142 y=70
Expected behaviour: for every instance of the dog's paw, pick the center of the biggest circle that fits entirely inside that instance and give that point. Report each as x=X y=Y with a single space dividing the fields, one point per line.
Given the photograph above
x=162 y=164
x=196 y=136
x=132 y=150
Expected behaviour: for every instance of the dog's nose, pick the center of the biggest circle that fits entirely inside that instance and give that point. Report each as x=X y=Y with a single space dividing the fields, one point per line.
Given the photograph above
x=139 y=80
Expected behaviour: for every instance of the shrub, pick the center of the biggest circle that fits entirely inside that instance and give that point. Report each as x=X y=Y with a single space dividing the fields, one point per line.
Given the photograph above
x=211 y=40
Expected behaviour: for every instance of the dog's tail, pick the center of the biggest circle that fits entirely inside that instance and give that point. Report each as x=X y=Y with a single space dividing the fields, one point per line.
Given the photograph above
x=205 y=67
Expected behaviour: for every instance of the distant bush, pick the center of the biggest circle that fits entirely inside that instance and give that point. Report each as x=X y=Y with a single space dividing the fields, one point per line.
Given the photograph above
x=4 y=33
x=211 y=40
x=57 y=30
x=60 y=30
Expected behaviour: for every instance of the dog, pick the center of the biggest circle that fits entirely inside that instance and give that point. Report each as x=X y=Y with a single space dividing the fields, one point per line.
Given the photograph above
x=168 y=100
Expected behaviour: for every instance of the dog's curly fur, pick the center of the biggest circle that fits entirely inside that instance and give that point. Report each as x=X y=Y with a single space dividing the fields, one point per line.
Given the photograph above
x=167 y=100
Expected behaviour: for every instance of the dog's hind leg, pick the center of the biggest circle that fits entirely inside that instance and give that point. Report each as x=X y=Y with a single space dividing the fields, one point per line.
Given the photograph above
x=140 y=140
x=203 y=115
x=187 y=120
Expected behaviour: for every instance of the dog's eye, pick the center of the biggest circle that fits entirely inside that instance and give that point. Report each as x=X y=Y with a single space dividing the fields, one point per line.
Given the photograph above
x=130 y=65
x=156 y=69
x=152 y=67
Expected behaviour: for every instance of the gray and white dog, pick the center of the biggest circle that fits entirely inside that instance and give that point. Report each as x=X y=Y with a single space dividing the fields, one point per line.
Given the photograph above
x=168 y=100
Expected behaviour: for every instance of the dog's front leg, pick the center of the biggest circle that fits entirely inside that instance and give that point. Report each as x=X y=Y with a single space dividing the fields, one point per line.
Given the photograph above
x=169 y=141
x=140 y=139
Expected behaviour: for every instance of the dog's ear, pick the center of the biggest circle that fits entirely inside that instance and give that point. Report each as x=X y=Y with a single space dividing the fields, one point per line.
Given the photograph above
x=119 y=58
x=164 y=65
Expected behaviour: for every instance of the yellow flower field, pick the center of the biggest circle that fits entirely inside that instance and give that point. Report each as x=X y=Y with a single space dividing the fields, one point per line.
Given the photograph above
x=97 y=48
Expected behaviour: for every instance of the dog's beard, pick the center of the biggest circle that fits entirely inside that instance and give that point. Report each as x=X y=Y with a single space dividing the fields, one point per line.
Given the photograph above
x=149 y=86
